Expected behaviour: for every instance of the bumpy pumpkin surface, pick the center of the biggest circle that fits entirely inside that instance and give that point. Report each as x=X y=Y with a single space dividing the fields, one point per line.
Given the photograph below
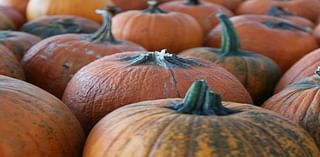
x=18 y=42
x=270 y=36
x=300 y=103
x=156 y=29
x=48 y=26
x=51 y=63
x=120 y=79
x=200 y=125
x=258 y=74
x=35 y=123
x=9 y=65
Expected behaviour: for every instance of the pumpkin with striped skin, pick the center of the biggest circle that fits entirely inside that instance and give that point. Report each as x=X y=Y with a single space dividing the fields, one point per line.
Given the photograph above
x=18 y=42
x=300 y=103
x=51 y=63
x=9 y=65
x=38 y=8
x=120 y=79
x=48 y=26
x=10 y=19
x=200 y=125
x=258 y=74
x=36 y=124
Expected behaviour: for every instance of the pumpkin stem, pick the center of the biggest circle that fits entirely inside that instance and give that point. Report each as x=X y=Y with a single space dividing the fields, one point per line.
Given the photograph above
x=284 y=26
x=153 y=8
x=162 y=58
x=318 y=71
x=230 y=42
x=278 y=11
x=105 y=32
x=201 y=100
x=113 y=10
x=193 y=2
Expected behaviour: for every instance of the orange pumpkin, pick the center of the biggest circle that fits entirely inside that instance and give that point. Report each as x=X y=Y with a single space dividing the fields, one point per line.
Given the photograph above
x=258 y=74
x=134 y=5
x=300 y=103
x=10 y=19
x=309 y=9
x=18 y=42
x=36 y=124
x=37 y=8
x=155 y=29
x=51 y=63
x=120 y=79
x=19 y=5
x=276 y=38
x=9 y=65
x=300 y=70
x=200 y=10
x=200 y=125
x=47 y=26
x=230 y=4
x=316 y=33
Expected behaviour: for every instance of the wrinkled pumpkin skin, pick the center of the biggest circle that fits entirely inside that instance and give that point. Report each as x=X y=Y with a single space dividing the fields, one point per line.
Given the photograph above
x=35 y=123
x=300 y=103
x=9 y=65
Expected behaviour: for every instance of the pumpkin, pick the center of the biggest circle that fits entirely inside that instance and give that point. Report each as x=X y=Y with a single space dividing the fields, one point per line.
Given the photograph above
x=35 y=123
x=51 y=63
x=230 y=4
x=276 y=38
x=10 y=19
x=300 y=70
x=155 y=29
x=134 y=5
x=38 y=8
x=9 y=65
x=19 y=5
x=300 y=103
x=48 y=26
x=256 y=72
x=120 y=79
x=18 y=42
x=200 y=10
x=309 y=10
x=200 y=125
x=285 y=14
x=316 y=33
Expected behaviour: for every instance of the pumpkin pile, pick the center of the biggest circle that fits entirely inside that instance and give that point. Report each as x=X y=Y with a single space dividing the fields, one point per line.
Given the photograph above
x=159 y=78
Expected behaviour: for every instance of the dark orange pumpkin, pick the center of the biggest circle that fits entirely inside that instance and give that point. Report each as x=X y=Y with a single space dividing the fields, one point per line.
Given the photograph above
x=51 y=63
x=300 y=103
x=38 y=8
x=200 y=125
x=309 y=9
x=276 y=38
x=19 y=5
x=134 y=5
x=155 y=29
x=9 y=64
x=200 y=10
x=36 y=124
x=256 y=72
x=18 y=42
x=300 y=70
x=120 y=79
x=10 y=19
x=230 y=4
x=48 y=26
x=316 y=33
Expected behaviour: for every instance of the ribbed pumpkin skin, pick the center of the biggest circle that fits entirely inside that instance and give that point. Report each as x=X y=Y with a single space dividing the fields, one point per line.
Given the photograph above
x=48 y=26
x=303 y=68
x=9 y=65
x=18 y=42
x=274 y=43
x=38 y=8
x=173 y=31
x=51 y=63
x=110 y=82
x=256 y=72
x=150 y=129
x=309 y=9
x=203 y=12
x=19 y=5
x=10 y=19
x=300 y=103
x=35 y=123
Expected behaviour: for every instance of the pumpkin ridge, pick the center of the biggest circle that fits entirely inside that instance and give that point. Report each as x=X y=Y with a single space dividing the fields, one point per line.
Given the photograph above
x=174 y=82
x=305 y=113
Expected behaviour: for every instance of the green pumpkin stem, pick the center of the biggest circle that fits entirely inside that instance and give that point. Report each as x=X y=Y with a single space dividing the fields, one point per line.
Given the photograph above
x=153 y=8
x=105 y=32
x=230 y=41
x=278 y=11
x=318 y=71
x=200 y=100
x=193 y=2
